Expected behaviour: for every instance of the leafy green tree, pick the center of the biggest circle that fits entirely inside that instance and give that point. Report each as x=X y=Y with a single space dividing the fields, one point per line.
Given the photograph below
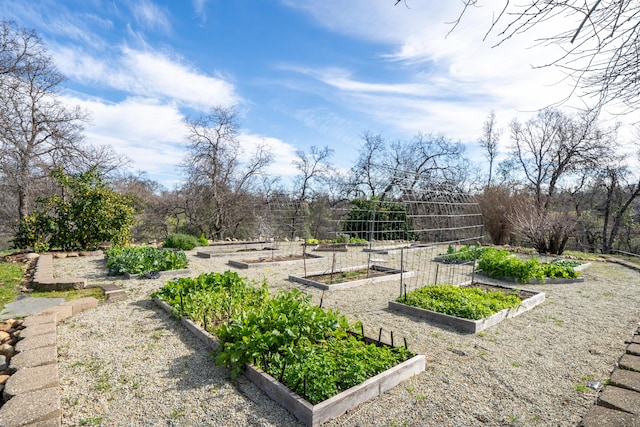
x=84 y=215
x=373 y=219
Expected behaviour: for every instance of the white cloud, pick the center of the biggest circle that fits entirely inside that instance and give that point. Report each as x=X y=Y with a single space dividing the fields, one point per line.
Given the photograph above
x=199 y=9
x=282 y=152
x=146 y=73
x=149 y=133
x=151 y=17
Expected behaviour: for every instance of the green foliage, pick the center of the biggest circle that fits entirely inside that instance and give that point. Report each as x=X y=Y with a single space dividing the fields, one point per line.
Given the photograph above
x=375 y=219
x=467 y=302
x=567 y=263
x=307 y=348
x=218 y=296
x=85 y=215
x=465 y=253
x=202 y=240
x=11 y=276
x=185 y=242
x=500 y=263
x=140 y=260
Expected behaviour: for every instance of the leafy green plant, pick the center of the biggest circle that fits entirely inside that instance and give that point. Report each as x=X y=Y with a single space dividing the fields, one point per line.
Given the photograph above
x=500 y=263
x=86 y=214
x=464 y=253
x=202 y=240
x=307 y=348
x=466 y=302
x=216 y=296
x=143 y=259
x=185 y=242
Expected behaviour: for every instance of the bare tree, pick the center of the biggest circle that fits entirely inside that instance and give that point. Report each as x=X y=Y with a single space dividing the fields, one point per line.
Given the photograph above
x=489 y=141
x=426 y=161
x=367 y=178
x=36 y=128
x=548 y=149
x=599 y=41
x=219 y=181
x=313 y=166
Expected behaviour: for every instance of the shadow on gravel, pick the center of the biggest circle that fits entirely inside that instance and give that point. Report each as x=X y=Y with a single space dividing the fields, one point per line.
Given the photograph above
x=198 y=370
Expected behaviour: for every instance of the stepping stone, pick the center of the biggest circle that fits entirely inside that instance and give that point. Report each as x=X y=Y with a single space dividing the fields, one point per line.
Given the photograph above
x=599 y=416
x=28 y=306
x=41 y=407
x=620 y=399
x=624 y=378
x=629 y=361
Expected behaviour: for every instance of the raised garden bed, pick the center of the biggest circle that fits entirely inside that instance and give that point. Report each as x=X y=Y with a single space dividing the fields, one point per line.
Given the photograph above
x=351 y=277
x=239 y=252
x=297 y=311
x=272 y=261
x=529 y=300
x=157 y=274
x=331 y=247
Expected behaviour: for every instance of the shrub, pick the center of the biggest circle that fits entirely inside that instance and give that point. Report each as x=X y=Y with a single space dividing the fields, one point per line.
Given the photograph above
x=202 y=241
x=88 y=214
x=500 y=263
x=185 y=242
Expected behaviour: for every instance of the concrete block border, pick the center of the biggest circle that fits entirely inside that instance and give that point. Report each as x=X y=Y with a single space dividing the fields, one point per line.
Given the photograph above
x=393 y=274
x=314 y=415
x=43 y=279
x=467 y=325
x=32 y=393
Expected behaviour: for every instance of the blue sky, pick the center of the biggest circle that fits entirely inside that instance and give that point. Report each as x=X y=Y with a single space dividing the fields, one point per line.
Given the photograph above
x=301 y=72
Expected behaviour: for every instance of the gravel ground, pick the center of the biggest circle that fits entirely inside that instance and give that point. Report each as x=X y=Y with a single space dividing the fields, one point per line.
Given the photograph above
x=128 y=363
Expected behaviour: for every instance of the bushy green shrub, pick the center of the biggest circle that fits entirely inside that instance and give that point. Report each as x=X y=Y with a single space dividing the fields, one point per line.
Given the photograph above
x=88 y=214
x=202 y=240
x=140 y=260
x=185 y=242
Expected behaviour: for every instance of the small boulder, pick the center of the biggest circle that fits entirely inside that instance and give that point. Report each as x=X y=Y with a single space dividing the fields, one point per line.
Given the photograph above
x=7 y=350
x=4 y=337
x=4 y=378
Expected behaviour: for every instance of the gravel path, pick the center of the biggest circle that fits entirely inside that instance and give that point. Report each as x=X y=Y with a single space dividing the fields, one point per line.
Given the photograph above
x=128 y=363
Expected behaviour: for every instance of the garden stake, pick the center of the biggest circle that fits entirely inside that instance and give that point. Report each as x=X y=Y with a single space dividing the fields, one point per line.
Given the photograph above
x=284 y=366
x=391 y=338
x=204 y=321
x=181 y=304
x=379 y=337
x=437 y=268
x=405 y=344
x=304 y=386
x=362 y=331
x=304 y=258
x=473 y=272
x=321 y=298
x=402 y=271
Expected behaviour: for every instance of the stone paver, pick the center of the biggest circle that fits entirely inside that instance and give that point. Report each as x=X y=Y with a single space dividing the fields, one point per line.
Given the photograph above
x=620 y=399
x=28 y=306
x=81 y=304
x=633 y=349
x=626 y=379
x=39 y=319
x=41 y=406
x=599 y=416
x=629 y=361
x=31 y=379
x=36 y=357
x=40 y=329
x=37 y=341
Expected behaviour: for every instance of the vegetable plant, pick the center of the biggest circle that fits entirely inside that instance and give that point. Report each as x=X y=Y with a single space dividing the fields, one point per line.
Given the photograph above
x=140 y=260
x=185 y=242
x=500 y=263
x=466 y=302
x=307 y=348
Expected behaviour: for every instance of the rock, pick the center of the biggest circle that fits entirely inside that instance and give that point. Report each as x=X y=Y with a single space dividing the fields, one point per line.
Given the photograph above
x=60 y=255
x=3 y=362
x=6 y=325
x=31 y=255
x=4 y=337
x=7 y=350
x=72 y=254
x=17 y=323
x=4 y=378
x=84 y=253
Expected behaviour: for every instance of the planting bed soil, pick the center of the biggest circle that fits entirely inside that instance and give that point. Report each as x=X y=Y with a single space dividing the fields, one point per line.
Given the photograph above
x=529 y=299
x=331 y=247
x=351 y=277
x=270 y=261
x=304 y=411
